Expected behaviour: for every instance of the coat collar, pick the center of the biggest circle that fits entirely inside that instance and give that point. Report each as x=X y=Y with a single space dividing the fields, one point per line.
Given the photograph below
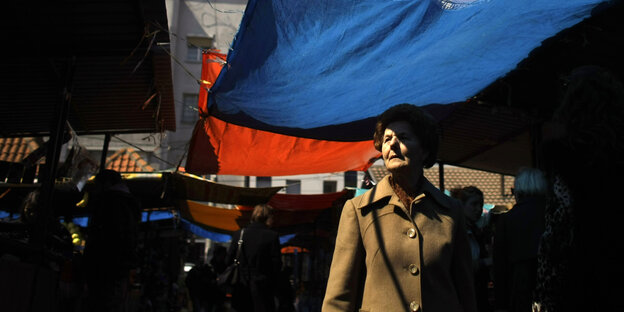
x=383 y=191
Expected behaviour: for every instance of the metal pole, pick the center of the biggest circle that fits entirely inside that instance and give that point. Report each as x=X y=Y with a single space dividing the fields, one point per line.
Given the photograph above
x=441 y=175
x=45 y=208
x=107 y=138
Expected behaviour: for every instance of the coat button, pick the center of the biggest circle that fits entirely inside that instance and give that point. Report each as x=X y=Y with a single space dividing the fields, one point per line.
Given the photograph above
x=413 y=268
x=414 y=306
x=411 y=232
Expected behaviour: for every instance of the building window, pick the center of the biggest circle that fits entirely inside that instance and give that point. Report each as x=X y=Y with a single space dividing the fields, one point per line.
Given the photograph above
x=189 y=108
x=195 y=45
x=263 y=181
x=193 y=53
x=293 y=186
x=350 y=179
x=330 y=186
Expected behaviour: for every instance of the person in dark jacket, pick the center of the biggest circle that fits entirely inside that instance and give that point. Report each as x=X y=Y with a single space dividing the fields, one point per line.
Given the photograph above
x=260 y=263
x=579 y=259
x=110 y=249
x=516 y=241
x=472 y=200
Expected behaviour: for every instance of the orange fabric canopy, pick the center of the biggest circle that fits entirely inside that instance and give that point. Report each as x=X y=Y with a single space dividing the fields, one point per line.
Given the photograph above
x=225 y=220
x=223 y=148
x=212 y=62
x=290 y=210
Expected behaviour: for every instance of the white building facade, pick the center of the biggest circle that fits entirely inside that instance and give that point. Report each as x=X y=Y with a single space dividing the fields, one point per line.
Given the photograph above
x=198 y=25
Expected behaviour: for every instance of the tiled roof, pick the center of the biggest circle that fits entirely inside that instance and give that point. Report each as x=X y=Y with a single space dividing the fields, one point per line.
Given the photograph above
x=127 y=160
x=496 y=188
x=15 y=149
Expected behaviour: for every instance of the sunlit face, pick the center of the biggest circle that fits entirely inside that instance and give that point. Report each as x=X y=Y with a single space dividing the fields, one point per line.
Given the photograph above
x=401 y=150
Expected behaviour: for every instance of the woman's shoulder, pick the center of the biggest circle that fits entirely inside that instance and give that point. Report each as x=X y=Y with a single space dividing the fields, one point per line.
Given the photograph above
x=258 y=228
x=446 y=202
x=381 y=192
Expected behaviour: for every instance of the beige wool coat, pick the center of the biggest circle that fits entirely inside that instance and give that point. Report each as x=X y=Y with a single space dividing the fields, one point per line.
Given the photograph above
x=392 y=258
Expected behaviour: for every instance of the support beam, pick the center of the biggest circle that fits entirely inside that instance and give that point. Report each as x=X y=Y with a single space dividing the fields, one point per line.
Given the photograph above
x=45 y=207
x=107 y=138
x=441 y=175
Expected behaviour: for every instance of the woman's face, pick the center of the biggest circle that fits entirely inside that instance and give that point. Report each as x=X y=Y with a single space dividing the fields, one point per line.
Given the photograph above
x=401 y=148
x=473 y=208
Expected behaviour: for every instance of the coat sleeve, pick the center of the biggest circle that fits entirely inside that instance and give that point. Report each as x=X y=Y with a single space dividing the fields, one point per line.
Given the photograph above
x=276 y=256
x=343 y=291
x=463 y=274
x=501 y=265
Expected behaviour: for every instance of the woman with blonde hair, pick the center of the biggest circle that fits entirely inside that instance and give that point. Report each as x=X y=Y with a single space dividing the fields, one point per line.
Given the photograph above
x=259 y=262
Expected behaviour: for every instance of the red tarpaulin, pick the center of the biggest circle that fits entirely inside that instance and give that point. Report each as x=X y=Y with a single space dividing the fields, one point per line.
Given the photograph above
x=290 y=210
x=301 y=202
x=217 y=147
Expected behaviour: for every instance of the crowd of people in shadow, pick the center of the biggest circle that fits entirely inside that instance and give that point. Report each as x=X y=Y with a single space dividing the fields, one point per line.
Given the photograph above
x=578 y=257
x=555 y=250
x=404 y=244
x=262 y=281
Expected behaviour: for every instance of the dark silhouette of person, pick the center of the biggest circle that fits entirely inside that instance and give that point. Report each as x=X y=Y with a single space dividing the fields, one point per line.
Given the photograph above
x=217 y=262
x=110 y=249
x=217 y=266
x=285 y=291
x=580 y=254
x=472 y=199
x=260 y=263
x=200 y=282
x=516 y=242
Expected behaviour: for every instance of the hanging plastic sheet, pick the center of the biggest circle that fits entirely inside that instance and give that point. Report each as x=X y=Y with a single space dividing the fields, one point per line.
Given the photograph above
x=324 y=69
x=290 y=210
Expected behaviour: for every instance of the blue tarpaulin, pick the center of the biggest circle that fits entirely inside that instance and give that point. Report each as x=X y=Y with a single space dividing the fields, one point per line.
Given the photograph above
x=310 y=64
x=304 y=80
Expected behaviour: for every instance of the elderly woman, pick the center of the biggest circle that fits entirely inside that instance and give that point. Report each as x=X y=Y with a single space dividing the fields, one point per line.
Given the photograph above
x=402 y=246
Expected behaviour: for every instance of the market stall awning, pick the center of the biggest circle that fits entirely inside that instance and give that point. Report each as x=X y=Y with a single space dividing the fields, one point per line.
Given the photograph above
x=323 y=70
x=302 y=202
x=190 y=187
x=290 y=211
x=225 y=148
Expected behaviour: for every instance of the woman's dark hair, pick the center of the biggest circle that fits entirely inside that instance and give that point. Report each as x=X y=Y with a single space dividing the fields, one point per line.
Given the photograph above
x=465 y=193
x=424 y=126
x=108 y=177
x=592 y=110
x=261 y=213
